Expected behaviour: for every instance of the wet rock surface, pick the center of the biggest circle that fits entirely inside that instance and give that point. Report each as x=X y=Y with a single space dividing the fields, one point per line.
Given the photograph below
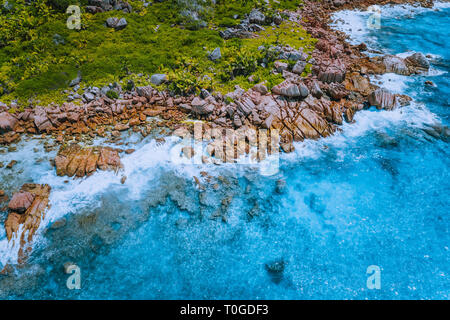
x=309 y=116
x=26 y=209
x=74 y=160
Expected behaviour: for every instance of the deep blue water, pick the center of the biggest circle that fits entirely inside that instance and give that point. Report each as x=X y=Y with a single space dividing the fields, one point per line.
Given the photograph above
x=376 y=194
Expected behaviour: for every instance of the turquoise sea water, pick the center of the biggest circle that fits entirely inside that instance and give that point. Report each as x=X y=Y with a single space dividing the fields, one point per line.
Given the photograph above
x=374 y=194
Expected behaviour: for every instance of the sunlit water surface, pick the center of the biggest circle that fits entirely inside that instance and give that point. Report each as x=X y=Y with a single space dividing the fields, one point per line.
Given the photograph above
x=375 y=194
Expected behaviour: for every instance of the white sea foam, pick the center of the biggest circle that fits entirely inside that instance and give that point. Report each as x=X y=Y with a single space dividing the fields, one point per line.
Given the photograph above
x=142 y=166
x=433 y=72
x=73 y=195
x=414 y=115
x=393 y=82
x=355 y=22
x=441 y=5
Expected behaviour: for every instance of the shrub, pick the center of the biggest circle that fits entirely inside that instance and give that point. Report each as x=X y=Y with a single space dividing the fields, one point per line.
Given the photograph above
x=241 y=61
x=112 y=94
x=20 y=19
x=32 y=64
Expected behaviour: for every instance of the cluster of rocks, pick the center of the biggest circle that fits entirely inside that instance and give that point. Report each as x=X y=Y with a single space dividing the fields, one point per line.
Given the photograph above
x=113 y=90
x=300 y=108
x=414 y=64
x=96 y=6
x=91 y=93
x=312 y=107
x=95 y=118
x=27 y=209
x=291 y=54
x=74 y=160
x=254 y=22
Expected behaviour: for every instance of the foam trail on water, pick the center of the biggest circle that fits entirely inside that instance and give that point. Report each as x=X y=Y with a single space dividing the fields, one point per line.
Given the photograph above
x=414 y=115
x=69 y=196
x=141 y=168
x=355 y=22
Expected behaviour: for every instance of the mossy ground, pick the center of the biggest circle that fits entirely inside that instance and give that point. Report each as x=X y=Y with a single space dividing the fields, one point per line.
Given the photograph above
x=158 y=39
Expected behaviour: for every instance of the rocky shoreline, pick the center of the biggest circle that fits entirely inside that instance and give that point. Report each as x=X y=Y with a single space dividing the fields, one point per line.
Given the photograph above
x=298 y=108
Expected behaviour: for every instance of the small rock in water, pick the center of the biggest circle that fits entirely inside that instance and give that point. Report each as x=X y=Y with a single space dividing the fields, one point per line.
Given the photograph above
x=11 y=164
x=275 y=270
x=181 y=223
x=58 y=224
x=3 y=197
x=281 y=186
x=276 y=266
x=418 y=61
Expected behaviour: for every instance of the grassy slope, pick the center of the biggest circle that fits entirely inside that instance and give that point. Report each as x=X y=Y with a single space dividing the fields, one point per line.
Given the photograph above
x=40 y=69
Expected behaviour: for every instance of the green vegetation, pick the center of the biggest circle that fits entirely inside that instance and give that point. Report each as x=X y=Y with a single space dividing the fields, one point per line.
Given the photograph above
x=112 y=94
x=39 y=55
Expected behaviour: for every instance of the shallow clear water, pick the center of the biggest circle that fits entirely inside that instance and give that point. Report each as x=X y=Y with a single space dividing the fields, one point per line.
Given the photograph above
x=375 y=194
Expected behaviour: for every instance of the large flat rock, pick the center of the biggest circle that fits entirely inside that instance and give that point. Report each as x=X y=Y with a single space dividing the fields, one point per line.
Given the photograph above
x=74 y=160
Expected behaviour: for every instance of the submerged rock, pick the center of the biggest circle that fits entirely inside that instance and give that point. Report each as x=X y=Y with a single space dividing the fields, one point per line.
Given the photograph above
x=281 y=186
x=275 y=269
